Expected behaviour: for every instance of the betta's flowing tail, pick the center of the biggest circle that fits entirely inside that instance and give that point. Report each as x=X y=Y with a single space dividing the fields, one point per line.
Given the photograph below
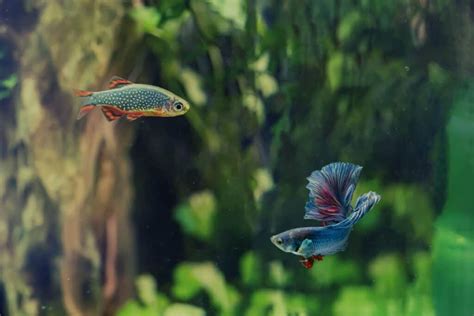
x=330 y=192
x=364 y=203
x=86 y=102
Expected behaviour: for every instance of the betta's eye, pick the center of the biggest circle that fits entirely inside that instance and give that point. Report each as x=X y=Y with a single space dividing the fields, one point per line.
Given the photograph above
x=178 y=106
x=279 y=241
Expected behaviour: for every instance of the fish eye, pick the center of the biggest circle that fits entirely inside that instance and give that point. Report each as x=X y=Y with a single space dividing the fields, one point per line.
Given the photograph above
x=279 y=241
x=178 y=106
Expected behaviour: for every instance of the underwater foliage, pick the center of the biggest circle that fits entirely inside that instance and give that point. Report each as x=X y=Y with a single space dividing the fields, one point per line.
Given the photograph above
x=8 y=78
x=453 y=245
x=277 y=89
x=281 y=88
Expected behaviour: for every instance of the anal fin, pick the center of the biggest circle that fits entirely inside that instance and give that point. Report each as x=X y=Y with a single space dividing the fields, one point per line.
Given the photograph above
x=111 y=113
x=133 y=117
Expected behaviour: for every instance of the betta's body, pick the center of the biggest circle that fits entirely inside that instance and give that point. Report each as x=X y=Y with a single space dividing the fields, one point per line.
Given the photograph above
x=131 y=100
x=330 y=195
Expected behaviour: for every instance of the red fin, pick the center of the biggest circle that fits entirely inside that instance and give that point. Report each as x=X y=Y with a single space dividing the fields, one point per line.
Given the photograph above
x=84 y=110
x=307 y=262
x=82 y=93
x=111 y=113
x=133 y=117
x=318 y=257
x=117 y=82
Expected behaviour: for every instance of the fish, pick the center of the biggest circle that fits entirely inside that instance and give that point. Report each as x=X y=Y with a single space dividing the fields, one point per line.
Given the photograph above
x=125 y=98
x=329 y=202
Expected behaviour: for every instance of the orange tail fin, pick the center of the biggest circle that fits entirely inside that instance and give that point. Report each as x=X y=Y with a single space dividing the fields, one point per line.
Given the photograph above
x=84 y=110
x=86 y=104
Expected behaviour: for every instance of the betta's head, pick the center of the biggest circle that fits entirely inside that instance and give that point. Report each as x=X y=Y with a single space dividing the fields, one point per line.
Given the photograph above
x=285 y=242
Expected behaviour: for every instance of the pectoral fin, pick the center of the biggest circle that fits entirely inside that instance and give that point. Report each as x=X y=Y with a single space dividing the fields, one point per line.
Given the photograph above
x=306 y=248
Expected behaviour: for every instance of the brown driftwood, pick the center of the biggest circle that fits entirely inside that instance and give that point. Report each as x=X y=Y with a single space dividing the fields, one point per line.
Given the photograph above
x=64 y=184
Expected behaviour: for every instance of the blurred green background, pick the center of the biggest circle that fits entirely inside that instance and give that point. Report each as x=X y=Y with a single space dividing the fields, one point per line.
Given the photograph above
x=278 y=88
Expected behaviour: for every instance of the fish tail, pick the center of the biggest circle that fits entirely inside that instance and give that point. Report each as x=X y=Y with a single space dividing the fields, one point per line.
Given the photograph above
x=364 y=204
x=330 y=192
x=86 y=103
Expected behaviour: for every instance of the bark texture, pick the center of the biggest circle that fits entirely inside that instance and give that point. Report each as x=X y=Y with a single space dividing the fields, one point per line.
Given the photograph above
x=64 y=184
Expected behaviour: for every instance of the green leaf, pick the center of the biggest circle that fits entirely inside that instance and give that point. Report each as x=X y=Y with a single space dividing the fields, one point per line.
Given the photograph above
x=335 y=68
x=10 y=82
x=262 y=183
x=151 y=302
x=232 y=10
x=193 y=84
x=251 y=269
x=255 y=104
x=389 y=276
x=184 y=309
x=351 y=30
x=403 y=199
x=437 y=75
x=340 y=70
x=333 y=270
x=147 y=19
x=133 y=308
x=279 y=276
x=146 y=287
x=263 y=301
x=356 y=300
x=196 y=217
x=210 y=21
x=190 y=278
x=267 y=84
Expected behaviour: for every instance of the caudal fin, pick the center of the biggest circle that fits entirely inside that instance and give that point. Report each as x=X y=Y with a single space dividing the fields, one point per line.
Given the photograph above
x=330 y=191
x=86 y=104
x=364 y=203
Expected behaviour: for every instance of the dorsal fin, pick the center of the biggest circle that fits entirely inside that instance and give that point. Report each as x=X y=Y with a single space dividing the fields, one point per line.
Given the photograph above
x=117 y=82
x=330 y=192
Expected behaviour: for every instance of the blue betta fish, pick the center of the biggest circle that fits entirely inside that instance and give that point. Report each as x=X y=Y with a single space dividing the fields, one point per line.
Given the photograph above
x=330 y=195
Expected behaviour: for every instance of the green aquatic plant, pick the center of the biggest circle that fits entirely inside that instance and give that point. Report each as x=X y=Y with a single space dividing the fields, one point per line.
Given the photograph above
x=390 y=294
x=8 y=79
x=191 y=278
x=197 y=216
x=453 y=244
x=269 y=289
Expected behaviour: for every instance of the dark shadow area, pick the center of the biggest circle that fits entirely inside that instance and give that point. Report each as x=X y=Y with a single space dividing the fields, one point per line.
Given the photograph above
x=162 y=171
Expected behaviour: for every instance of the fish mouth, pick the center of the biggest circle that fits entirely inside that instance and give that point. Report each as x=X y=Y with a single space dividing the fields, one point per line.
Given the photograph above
x=274 y=239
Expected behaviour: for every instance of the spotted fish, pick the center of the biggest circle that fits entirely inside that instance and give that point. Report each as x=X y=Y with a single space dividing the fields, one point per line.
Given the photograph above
x=131 y=100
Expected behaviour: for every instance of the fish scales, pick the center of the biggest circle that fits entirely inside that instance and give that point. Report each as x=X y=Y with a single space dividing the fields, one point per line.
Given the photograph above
x=132 y=100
